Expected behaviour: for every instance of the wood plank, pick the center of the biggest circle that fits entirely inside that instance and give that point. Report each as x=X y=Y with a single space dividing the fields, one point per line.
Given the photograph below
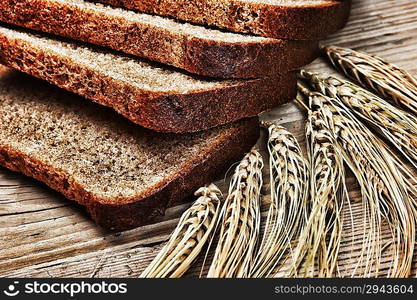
x=44 y=235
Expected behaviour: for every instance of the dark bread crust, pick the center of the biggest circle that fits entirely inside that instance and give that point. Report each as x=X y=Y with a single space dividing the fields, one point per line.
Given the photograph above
x=167 y=112
x=137 y=211
x=192 y=53
x=298 y=23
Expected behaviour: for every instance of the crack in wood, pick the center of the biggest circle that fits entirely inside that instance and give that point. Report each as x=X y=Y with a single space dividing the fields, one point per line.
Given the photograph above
x=32 y=211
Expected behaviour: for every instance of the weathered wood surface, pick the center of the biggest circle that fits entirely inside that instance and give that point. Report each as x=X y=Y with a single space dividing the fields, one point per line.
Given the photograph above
x=44 y=235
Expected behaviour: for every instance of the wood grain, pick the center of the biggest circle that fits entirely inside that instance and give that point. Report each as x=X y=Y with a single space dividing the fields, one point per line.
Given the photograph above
x=44 y=235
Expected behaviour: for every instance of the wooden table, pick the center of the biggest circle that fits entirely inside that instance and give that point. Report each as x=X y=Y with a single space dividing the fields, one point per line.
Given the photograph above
x=44 y=235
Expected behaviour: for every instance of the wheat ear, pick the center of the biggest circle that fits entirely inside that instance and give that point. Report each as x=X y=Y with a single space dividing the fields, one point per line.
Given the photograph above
x=189 y=237
x=240 y=221
x=388 y=80
x=383 y=187
x=289 y=200
x=317 y=251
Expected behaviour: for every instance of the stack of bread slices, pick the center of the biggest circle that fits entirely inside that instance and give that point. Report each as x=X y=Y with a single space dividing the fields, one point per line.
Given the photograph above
x=175 y=89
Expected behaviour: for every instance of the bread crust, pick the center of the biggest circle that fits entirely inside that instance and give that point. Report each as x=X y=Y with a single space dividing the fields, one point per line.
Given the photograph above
x=136 y=211
x=313 y=22
x=166 y=112
x=189 y=52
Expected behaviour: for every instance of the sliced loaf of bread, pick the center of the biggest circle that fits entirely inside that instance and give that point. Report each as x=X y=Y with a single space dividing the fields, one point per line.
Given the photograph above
x=123 y=174
x=150 y=95
x=290 y=19
x=196 y=49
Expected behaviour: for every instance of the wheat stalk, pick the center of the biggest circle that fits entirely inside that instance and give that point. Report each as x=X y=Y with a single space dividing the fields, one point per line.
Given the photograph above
x=319 y=242
x=398 y=126
x=384 y=189
x=388 y=80
x=240 y=221
x=289 y=192
x=192 y=232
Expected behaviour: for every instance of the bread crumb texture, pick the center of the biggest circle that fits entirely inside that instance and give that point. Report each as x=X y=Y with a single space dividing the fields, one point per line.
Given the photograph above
x=107 y=155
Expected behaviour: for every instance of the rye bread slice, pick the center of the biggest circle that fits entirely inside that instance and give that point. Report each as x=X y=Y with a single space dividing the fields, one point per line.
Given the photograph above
x=150 y=95
x=289 y=19
x=196 y=49
x=123 y=174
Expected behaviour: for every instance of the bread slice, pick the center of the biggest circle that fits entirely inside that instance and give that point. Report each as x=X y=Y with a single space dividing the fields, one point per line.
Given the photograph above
x=150 y=95
x=196 y=49
x=290 y=19
x=123 y=174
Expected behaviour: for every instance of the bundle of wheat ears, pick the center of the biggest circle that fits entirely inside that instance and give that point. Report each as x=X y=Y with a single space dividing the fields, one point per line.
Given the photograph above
x=385 y=197
x=347 y=127
x=396 y=125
